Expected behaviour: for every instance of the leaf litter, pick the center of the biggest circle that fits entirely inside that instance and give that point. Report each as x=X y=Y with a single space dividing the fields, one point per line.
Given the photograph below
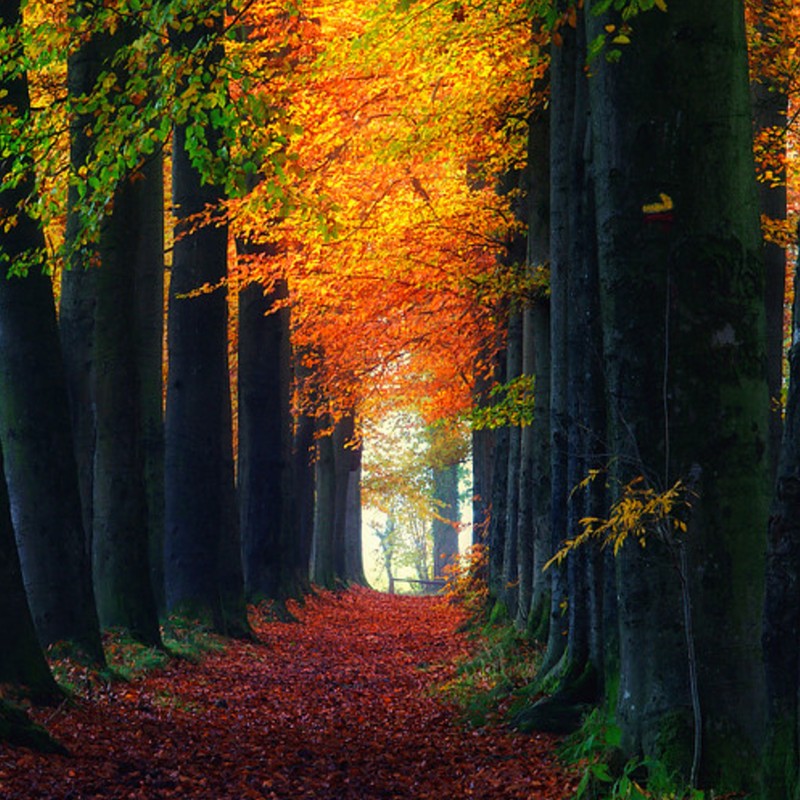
x=340 y=705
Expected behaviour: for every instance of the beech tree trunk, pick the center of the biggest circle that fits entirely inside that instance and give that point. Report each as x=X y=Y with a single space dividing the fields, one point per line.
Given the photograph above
x=272 y=555
x=782 y=603
x=323 y=550
x=535 y=540
x=771 y=107
x=78 y=291
x=562 y=78
x=347 y=510
x=303 y=461
x=201 y=527
x=683 y=314
x=35 y=426
x=121 y=540
x=22 y=662
x=445 y=524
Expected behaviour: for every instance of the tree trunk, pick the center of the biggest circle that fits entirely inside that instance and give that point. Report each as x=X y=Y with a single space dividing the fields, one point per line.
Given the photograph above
x=483 y=444
x=782 y=604
x=510 y=584
x=683 y=317
x=562 y=71
x=303 y=460
x=35 y=426
x=199 y=480
x=22 y=662
x=78 y=292
x=323 y=551
x=347 y=510
x=771 y=106
x=445 y=523
x=535 y=457
x=121 y=543
x=273 y=564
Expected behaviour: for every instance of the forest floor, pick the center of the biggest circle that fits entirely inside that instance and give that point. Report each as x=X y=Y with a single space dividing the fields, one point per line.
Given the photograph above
x=341 y=705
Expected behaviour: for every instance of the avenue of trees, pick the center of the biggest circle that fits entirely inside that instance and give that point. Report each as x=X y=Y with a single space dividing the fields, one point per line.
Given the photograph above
x=238 y=237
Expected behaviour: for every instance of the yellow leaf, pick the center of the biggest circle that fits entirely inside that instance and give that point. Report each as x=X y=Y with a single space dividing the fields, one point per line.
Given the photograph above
x=661 y=5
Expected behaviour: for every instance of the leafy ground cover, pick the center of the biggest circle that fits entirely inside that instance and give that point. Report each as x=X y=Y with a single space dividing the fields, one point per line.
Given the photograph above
x=341 y=705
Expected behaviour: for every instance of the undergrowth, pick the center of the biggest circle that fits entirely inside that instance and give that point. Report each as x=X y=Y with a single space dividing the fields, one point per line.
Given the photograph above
x=127 y=658
x=497 y=679
x=504 y=661
x=595 y=751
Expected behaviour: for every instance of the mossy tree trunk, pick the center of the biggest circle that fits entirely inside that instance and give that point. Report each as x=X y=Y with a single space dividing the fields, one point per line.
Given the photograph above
x=121 y=521
x=34 y=420
x=684 y=339
x=782 y=603
x=202 y=561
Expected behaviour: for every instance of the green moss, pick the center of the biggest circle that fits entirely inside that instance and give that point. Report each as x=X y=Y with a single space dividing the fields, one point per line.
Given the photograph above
x=539 y=620
x=673 y=743
x=499 y=613
x=780 y=767
x=730 y=764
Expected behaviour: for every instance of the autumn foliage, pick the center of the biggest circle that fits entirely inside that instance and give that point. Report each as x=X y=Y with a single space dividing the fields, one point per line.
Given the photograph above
x=342 y=704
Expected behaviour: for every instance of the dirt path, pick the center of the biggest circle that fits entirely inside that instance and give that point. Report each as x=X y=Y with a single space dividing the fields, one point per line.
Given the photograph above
x=336 y=707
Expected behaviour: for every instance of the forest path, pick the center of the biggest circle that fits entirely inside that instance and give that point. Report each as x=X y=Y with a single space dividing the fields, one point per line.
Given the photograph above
x=335 y=707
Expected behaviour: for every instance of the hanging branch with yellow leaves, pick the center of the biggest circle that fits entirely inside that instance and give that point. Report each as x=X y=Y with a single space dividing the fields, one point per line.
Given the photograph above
x=640 y=512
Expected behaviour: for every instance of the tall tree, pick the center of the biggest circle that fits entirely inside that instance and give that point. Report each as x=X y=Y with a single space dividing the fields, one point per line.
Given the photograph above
x=121 y=542
x=34 y=419
x=200 y=521
x=446 y=519
x=683 y=316
x=275 y=565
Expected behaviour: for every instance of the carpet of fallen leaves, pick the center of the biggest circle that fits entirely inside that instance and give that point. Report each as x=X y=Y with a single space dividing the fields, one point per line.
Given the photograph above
x=337 y=706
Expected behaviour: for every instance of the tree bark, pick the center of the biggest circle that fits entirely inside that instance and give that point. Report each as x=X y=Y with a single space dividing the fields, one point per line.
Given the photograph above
x=121 y=541
x=781 y=636
x=200 y=525
x=35 y=427
x=22 y=662
x=562 y=72
x=323 y=551
x=445 y=524
x=273 y=564
x=683 y=315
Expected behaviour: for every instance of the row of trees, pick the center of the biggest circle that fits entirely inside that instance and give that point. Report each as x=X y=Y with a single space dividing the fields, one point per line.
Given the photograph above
x=438 y=207
x=123 y=500
x=215 y=176
x=656 y=356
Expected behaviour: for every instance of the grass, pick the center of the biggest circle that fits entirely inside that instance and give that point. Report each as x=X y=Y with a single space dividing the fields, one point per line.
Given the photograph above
x=127 y=658
x=488 y=683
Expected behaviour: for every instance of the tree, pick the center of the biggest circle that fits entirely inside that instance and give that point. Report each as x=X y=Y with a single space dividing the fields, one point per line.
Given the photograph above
x=683 y=326
x=275 y=565
x=201 y=526
x=446 y=522
x=111 y=318
x=22 y=661
x=34 y=419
